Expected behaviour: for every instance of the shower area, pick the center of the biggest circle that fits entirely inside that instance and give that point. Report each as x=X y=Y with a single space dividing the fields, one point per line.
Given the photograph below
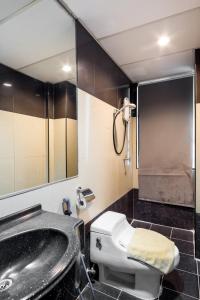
x=166 y=141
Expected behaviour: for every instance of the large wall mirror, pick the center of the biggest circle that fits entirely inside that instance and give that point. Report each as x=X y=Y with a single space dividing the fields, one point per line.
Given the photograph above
x=38 y=114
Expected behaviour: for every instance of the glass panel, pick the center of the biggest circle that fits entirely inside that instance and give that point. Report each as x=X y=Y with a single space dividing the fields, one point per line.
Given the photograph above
x=38 y=119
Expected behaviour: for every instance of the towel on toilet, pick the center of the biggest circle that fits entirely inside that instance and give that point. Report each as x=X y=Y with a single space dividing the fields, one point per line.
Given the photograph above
x=153 y=249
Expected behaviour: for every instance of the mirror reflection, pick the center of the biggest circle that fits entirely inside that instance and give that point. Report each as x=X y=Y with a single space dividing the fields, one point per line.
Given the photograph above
x=38 y=119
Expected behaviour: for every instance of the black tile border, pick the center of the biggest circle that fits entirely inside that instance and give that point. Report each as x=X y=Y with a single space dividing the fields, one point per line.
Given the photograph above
x=163 y=214
x=97 y=73
x=197 y=235
x=182 y=282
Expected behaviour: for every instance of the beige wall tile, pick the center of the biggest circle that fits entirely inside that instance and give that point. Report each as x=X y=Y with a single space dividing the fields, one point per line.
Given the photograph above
x=30 y=135
x=30 y=155
x=59 y=149
x=72 y=147
x=100 y=168
x=6 y=134
x=51 y=150
x=198 y=157
x=29 y=172
x=6 y=175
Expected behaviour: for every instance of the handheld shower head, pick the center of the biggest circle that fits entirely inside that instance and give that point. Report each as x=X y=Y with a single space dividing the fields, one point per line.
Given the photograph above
x=127 y=107
x=132 y=106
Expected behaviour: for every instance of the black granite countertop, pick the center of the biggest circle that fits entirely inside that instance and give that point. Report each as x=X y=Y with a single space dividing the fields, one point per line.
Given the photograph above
x=36 y=283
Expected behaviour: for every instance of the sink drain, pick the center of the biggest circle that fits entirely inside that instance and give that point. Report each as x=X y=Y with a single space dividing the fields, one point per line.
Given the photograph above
x=5 y=284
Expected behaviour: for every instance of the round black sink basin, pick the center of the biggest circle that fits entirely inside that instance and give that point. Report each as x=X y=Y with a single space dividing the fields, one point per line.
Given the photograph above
x=30 y=261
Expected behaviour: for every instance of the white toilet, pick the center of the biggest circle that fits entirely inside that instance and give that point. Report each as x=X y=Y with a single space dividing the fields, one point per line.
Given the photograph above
x=110 y=235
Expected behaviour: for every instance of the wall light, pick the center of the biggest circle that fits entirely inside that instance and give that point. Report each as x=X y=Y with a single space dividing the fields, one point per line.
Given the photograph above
x=67 y=68
x=7 y=84
x=163 y=41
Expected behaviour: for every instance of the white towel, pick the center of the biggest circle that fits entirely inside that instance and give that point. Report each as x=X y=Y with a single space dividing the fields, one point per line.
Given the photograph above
x=153 y=249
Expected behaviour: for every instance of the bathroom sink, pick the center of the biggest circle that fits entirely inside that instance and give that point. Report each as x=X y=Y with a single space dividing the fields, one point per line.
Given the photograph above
x=33 y=255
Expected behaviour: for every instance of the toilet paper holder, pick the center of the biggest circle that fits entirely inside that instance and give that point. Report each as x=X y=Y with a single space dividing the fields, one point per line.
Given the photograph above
x=84 y=197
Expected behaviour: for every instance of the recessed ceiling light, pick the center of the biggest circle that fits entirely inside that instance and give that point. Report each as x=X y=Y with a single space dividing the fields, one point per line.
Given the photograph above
x=7 y=84
x=163 y=41
x=67 y=68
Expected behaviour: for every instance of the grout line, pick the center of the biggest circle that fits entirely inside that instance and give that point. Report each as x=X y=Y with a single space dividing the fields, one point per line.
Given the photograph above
x=171 y=233
x=180 y=293
x=190 y=230
x=104 y=293
x=186 y=271
x=142 y=221
x=183 y=241
x=186 y=253
x=119 y=295
x=198 y=277
x=194 y=244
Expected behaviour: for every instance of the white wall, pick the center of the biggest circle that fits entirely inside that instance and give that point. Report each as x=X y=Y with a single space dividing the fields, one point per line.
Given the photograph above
x=99 y=167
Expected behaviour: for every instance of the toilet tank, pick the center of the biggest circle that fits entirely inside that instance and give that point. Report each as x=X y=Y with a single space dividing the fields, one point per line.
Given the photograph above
x=108 y=223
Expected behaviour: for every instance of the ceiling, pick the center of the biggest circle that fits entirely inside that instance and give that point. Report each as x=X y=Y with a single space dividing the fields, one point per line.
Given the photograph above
x=34 y=44
x=37 y=40
x=129 y=32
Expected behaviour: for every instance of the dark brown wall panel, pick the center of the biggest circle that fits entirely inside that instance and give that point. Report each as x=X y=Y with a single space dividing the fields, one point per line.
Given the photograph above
x=97 y=72
x=197 y=65
x=64 y=100
x=86 y=48
x=33 y=97
x=25 y=96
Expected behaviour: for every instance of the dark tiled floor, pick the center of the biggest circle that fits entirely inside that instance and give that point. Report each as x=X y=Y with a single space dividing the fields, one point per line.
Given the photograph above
x=181 y=284
x=162 y=229
x=184 y=247
x=141 y=224
x=184 y=235
x=106 y=289
x=187 y=263
x=171 y=295
x=87 y=295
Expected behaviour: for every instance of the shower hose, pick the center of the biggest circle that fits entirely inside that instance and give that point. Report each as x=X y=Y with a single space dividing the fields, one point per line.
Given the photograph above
x=118 y=152
x=88 y=278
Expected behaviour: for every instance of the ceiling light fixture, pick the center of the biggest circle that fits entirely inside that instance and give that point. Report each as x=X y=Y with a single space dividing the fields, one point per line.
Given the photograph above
x=163 y=41
x=67 y=68
x=7 y=84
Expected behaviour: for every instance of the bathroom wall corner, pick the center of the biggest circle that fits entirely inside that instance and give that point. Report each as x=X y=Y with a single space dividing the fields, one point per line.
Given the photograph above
x=197 y=235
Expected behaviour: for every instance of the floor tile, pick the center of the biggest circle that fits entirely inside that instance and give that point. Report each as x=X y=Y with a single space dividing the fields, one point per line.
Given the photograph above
x=171 y=295
x=162 y=229
x=184 y=247
x=87 y=295
x=125 y=296
x=182 y=234
x=198 y=263
x=182 y=282
x=107 y=289
x=187 y=263
x=139 y=224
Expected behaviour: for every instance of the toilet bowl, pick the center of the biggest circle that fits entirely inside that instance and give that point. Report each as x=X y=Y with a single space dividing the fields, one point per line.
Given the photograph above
x=110 y=235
